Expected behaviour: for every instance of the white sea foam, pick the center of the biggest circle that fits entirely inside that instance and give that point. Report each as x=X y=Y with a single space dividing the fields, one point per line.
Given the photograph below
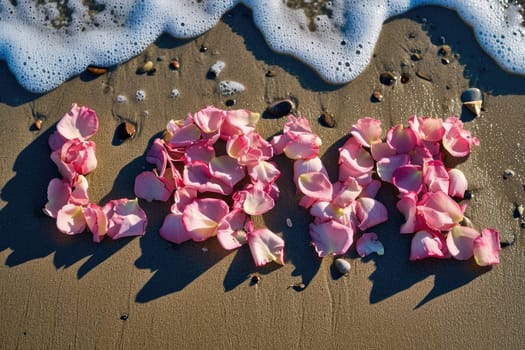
x=45 y=44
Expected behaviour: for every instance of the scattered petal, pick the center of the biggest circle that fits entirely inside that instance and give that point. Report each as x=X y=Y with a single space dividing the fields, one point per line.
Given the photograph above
x=486 y=247
x=70 y=219
x=368 y=243
x=265 y=247
x=331 y=237
x=125 y=218
x=202 y=216
x=80 y=123
x=460 y=242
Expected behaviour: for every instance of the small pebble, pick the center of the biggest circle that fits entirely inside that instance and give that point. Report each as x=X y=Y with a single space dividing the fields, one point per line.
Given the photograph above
x=145 y=114
x=280 y=108
x=124 y=317
x=472 y=99
x=175 y=64
x=270 y=73
x=327 y=119
x=342 y=266
x=121 y=99
x=508 y=173
x=297 y=286
x=203 y=48
x=230 y=87
x=255 y=280
x=405 y=77
x=204 y=249
x=38 y=124
x=140 y=95
x=445 y=50
x=174 y=93
x=378 y=96
x=520 y=209
x=416 y=56
x=423 y=76
x=289 y=222
x=126 y=130
x=161 y=58
x=445 y=61
x=147 y=67
x=230 y=102
x=387 y=78
x=94 y=70
x=468 y=195
x=216 y=69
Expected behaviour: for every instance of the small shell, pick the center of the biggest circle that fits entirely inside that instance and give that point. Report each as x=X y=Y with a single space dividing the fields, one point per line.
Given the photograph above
x=445 y=61
x=342 y=266
x=508 y=173
x=147 y=67
x=230 y=87
x=270 y=73
x=472 y=99
x=424 y=76
x=327 y=119
x=94 y=70
x=140 y=95
x=126 y=130
x=204 y=249
x=416 y=56
x=387 y=78
x=445 y=50
x=289 y=222
x=174 y=93
x=216 y=69
x=520 y=209
x=377 y=96
x=121 y=99
x=175 y=64
x=280 y=108
x=38 y=124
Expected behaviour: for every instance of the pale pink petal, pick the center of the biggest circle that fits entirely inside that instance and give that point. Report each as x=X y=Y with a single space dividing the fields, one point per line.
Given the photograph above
x=368 y=243
x=325 y=211
x=370 y=212
x=297 y=124
x=151 y=187
x=427 y=244
x=460 y=242
x=185 y=136
x=230 y=231
x=420 y=155
x=80 y=155
x=257 y=202
x=201 y=217
x=346 y=193
x=237 y=145
x=386 y=166
x=66 y=170
x=278 y=143
x=96 y=221
x=79 y=122
x=355 y=158
x=198 y=176
x=315 y=185
x=199 y=151
x=303 y=146
x=158 y=155
x=58 y=193
x=265 y=247
x=181 y=198
x=458 y=183
x=407 y=206
x=408 y=178
x=381 y=150
x=457 y=140
x=173 y=230
x=367 y=131
x=209 y=119
x=70 y=219
x=237 y=122
x=486 y=247
x=79 y=194
x=402 y=139
x=427 y=128
x=263 y=171
x=125 y=218
x=227 y=170
x=440 y=212
x=435 y=176
x=331 y=237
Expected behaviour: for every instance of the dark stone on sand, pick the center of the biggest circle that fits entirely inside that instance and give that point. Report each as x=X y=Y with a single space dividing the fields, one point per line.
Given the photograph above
x=280 y=108
x=387 y=78
x=327 y=119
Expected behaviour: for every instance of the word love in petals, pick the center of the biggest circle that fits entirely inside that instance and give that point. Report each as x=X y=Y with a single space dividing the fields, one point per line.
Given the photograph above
x=186 y=166
x=68 y=200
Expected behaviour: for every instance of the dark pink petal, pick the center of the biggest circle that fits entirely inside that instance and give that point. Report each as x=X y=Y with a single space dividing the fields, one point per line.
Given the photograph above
x=367 y=131
x=238 y=122
x=96 y=221
x=173 y=230
x=460 y=242
x=125 y=218
x=58 y=192
x=80 y=123
x=151 y=187
x=370 y=212
x=263 y=171
x=56 y=140
x=407 y=206
x=202 y=216
x=408 y=178
x=303 y=146
x=486 y=247
x=368 y=243
x=70 y=219
x=435 y=176
x=458 y=183
x=230 y=232
x=265 y=247
x=158 y=155
x=370 y=190
x=209 y=119
x=315 y=185
x=386 y=166
x=440 y=212
x=355 y=158
x=427 y=244
x=402 y=139
x=331 y=237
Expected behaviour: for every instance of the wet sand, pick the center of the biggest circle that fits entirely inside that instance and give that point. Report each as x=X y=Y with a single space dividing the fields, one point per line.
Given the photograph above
x=62 y=292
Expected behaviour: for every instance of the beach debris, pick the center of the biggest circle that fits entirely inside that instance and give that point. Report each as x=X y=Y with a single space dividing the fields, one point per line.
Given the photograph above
x=466 y=222
x=204 y=249
x=174 y=93
x=175 y=64
x=423 y=75
x=230 y=102
x=387 y=78
x=140 y=95
x=124 y=316
x=342 y=266
x=216 y=69
x=472 y=99
x=445 y=61
x=148 y=67
x=405 y=77
x=126 y=130
x=161 y=58
x=255 y=280
x=377 y=96
x=203 y=48
x=444 y=50
x=270 y=73
x=280 y=108
x=289 y=222
x=416 y=56
x=508 y=173
x=468 y=195
x=145 y=113
x=520 y=209
x=230 y=87
x=327 y=119
x=94 y=70
x=299 y=286
x=121 y=99
x=38 y=124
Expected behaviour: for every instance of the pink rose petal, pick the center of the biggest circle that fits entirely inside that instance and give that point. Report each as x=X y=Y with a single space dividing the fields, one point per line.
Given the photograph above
x=368 y=243
x=58 y=193
x=238 y=122
x=435 y=176
x=231 y=233
x=151 y=187
x=303 y=146
x=226 y=170
x=173 y=230
x=460 y=242
x=265 y=247
x=80 y=123
x=331 y=237
x=315 y=185
x=70 y=219
x=367 y=131
x=407 y=206
x=209 y=119
x=439 y=211
x=125 y=218
x=486 y=247
x=257 y=201
x=386 y=166
x=265 y=172
x=427 y=244
x=158 y=155
x=355 y=159
x=202 y=216
x=402 y=139
x=370 y=212
x=96 y=221
x=408 y=178
x=458 y=184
